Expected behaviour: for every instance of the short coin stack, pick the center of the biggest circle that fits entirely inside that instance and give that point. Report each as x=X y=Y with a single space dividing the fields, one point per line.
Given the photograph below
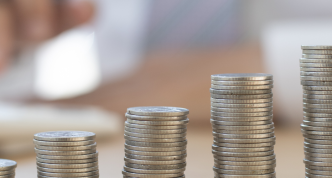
x=316 y=78
x=66 y=154
x=155 y=142
x=243 y=130
x=7 y=168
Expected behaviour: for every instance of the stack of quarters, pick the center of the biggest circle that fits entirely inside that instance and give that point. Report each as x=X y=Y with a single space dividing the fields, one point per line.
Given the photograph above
x=155 y=142
x=243 y=130
x=316 y=78
x=66 y=154
x=7 y=168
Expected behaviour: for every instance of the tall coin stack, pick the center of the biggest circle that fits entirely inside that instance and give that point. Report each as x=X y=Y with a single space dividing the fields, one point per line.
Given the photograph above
x=155 y=142
x=316 y=78
x=243 y=130
x=7 y=168
x=66 y=154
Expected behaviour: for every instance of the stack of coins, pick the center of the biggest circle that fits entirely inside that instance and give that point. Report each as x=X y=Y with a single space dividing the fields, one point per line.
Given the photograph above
x=243 y=131
x=66 y=154
x=7 y=168
x=316 y=78
x=155 y=142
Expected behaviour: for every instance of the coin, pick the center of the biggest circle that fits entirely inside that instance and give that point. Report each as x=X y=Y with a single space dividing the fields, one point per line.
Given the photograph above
x=244 y=172
x=6 y=164
x=151 y=131
x=316 y=132
x=243 y=132
x=242 y=119
x=322 y=142
x=155 y=118
x=155 y=158
x=67 y=166
x=317 y=101
x=136 y=161
x=242 y=83
x=316 y=47
x=5 y=173
x=158 y=149
x=241 y=97
x=230 y=167
x=241 y=110
x=67 y=170
x=316 y=56
x=314 y=69
x=241 y=101
x=309 y=127
x=311 y=78
x=155 y=153
x=150 y=144
x=158 y=123
x=329 y=160
x=308 y=60
x=319 y=106
x=67 y=148
x=254 y=127
x=316 y=74
x=224 y=123
x=243 y=145
x=314 y=51
x=67 y=161
x=242 y=77
x=156 y=167
x=312 y=96
x=243 y=136
x=226 y=149
x=156 y=127
x=157 y=111
x=63 y=144
x=239 y=92
x=155 y=135
x=317 y=150
x=151 y=175
x=316 y=83
x=76 y=174
x=255 y=105
x=316 y=88
x=64 y=136
x=250 y=163
x=326 y=173
x=229 y=114
x=245 y=159
x=257 y=140
x=316 y=65
x=306 y=114
x=317 y=110
x=148 y=171
x=245 y=154
x=253 y=87
x=63 y=153
x=319 y=124
x=155 y=140
x=88 y=156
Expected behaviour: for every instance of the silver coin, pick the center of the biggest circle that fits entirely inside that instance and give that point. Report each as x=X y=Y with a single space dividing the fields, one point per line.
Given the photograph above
x=243 y=136
x=239 y=92
x=244 y=172
x=317 y=150
x=254 y=105
x=88 y=156
x=153 y=149
x=242 y=97
x=316 y=74
x=263 y=131
x=315 y=132
x=313 y=128
x=229 y=167
x=317 y=92
x=63 y=144
x=67 y=166
x=89 y=169
x=155 y=153
x=158 y=123
x=155 y=118
x=158 y=111
x=67 y=148
x=136 y=161
x=317 y=110
x=229 y=114
x=323 y=137
x=64 y=136
x=311 y=60
x=313 y=69
x=321 y=142
x=240 y=150
x=316 y=83
x=322 y=47
x=307 y=162
x=317 y=159
x=155 y=127
x=64 y=153
x=316 y=56
x=308 y=89
x=67 y=161
x=243 y=145
x=322 y=79
x=251 y=163
x=254 y=127
x=92 y=176
x=315 y=51
x=316 y=65
x=6 y=164
x=242 y=119
x=323 y=115
x=150 y=144
x=156 y=167
x=319 y=124
x=8 y=176
x=248 y=87
x=317 y=101
x=155 y=140
x=242 y=77
x=311 y=145
x=319 y=168
x=156 y=158
x=76 y=174
x=272 y=175
x=148 y=171
x=246 y=159
x=240 y=123
x=316 y=176
x=257 y=140
x=150 y=131
x=241 y=101
x=130 y=174
x=241 y=110
x=242 y=83
x=247 y=154
x=319 y=106
x=8 y=172
x=318 y=172
x=155 y=135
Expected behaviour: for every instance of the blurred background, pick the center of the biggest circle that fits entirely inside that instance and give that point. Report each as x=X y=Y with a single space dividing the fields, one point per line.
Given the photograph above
x=79 y=64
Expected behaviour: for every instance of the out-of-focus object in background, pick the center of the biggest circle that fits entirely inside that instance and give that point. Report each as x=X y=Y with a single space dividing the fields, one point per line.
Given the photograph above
x=20 y=121
x=280 y=43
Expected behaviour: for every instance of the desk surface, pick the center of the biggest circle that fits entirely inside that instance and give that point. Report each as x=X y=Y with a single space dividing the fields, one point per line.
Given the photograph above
x=289 y=151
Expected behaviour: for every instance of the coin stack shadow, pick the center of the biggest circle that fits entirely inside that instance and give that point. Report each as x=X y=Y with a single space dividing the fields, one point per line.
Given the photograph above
x=7 y=168
x=155 y=142
x=66 y=154
x=243 y=130
x=316 y=78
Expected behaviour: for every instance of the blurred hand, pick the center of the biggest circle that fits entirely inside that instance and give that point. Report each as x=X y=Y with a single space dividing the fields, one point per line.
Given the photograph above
x=24 y=22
